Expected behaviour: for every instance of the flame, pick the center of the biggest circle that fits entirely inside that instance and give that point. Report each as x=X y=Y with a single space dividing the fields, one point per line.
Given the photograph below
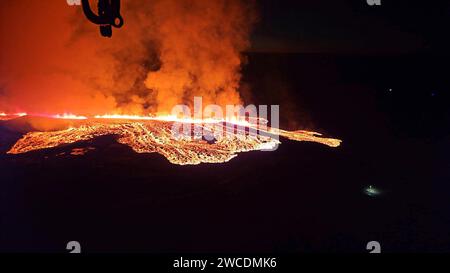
x=147 y=134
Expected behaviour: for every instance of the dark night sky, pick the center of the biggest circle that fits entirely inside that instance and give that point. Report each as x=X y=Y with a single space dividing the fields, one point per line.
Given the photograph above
x=352 y=26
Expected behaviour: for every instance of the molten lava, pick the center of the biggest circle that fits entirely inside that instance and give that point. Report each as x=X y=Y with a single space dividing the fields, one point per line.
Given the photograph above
x=155 y=135
x=5 y=116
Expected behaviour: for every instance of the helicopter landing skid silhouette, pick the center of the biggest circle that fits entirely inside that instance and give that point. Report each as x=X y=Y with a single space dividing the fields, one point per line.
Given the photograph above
x=108 y=15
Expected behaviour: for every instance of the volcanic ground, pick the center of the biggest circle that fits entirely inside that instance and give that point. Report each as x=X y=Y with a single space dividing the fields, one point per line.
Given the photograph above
x=303 y=197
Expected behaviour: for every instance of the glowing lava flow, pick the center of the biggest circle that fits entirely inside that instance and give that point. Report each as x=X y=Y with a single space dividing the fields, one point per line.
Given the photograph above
x=5 y=116
x=155 y=134
x=69 y=116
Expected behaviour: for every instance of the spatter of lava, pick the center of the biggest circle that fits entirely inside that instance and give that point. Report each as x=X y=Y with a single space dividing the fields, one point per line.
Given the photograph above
x=155 y=136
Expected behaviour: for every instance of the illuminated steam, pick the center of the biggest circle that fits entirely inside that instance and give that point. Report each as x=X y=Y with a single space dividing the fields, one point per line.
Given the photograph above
x=169 y=51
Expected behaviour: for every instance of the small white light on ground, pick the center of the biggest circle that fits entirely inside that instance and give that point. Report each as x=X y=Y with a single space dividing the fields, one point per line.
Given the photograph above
x=372 y=191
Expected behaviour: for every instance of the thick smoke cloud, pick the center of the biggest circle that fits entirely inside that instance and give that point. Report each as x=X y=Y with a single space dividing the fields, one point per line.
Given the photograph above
x=52 y=60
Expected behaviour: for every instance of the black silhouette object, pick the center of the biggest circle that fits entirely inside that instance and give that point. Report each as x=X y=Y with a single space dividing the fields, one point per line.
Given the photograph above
x=108 y=15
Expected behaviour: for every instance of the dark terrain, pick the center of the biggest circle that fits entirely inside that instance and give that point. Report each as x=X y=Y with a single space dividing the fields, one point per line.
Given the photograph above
x=304 y=197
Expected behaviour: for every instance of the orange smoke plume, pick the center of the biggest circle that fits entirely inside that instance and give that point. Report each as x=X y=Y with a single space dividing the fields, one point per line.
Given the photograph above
x=52 y=60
